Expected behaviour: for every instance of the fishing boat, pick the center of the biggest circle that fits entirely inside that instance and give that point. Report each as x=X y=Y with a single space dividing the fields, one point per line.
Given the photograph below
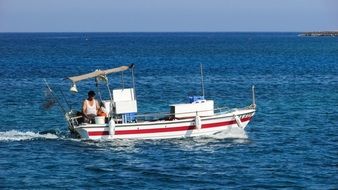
x=198 y=117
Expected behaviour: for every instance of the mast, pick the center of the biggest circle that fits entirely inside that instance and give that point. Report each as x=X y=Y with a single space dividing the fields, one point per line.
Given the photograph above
x=133 y=78
x=253 y=96
x=202 y=81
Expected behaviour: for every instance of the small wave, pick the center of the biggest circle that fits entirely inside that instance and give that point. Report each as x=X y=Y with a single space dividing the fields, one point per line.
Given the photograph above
x=210 y=143
x=98 y=168
x=124 y=145
x=14 y=135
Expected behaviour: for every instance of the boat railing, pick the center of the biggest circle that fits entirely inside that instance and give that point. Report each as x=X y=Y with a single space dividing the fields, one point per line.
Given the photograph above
x=166 y=115
x=172 y=116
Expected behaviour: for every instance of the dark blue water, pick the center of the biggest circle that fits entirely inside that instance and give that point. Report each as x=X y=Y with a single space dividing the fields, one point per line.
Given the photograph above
x=292 y=142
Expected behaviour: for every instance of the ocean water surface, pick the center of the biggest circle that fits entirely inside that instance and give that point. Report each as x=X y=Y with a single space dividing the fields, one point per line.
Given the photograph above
x=292 y=141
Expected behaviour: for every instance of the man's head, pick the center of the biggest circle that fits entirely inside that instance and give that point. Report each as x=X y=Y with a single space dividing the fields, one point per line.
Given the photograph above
x=91 y=94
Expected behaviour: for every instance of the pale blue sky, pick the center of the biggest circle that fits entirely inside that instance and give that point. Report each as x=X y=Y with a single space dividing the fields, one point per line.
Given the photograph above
x=167 y=15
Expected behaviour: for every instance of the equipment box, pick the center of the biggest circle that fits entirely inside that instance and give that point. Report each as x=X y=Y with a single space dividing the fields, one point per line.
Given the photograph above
x=203 y=108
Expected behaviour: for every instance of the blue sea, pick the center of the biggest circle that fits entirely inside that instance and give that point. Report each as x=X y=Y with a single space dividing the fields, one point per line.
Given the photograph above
x=291 y=143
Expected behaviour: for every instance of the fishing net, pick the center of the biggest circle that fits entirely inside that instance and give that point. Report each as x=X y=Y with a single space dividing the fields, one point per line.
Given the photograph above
x=49 y=100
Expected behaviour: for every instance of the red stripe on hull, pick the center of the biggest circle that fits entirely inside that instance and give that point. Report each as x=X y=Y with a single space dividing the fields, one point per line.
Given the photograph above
x=156 y=130
x=220 y=124
x=163 y=130
x=98 y=133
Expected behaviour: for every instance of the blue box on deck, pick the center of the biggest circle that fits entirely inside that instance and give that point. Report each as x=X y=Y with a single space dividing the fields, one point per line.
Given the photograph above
x=129 y=117
x=195 y=98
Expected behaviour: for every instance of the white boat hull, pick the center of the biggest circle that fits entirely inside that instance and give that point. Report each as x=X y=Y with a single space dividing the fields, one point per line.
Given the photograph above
x=168 y=129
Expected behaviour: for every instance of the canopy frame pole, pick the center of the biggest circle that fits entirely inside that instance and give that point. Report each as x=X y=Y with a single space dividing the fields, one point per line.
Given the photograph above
x=98 y=89
x=111 y=99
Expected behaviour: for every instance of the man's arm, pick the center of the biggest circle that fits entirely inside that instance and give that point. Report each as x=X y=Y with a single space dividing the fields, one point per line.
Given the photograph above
x=84 y=108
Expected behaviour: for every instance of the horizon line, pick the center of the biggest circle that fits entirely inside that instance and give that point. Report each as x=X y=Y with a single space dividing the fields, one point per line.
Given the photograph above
x=229 y=31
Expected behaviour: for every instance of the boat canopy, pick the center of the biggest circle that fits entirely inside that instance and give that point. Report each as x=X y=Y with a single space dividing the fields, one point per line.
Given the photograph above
x=98 y=73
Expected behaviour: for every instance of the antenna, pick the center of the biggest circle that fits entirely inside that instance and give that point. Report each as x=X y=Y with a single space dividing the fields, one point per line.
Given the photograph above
x=133 y=78
x=202 y=81
x=253 y=96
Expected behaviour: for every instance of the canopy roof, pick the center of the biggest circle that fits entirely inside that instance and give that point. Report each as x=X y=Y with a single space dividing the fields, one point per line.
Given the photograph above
x=99 y=73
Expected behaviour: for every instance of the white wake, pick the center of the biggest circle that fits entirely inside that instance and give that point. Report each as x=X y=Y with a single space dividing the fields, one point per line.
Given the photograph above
x=14 y=135
x=231 y=133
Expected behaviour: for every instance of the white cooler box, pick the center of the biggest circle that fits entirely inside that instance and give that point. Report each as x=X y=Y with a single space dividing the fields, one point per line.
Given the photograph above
x=203 y=108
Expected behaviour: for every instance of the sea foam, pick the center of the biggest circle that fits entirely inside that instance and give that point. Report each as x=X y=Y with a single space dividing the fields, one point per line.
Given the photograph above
x=231 y=133
x=14 y=135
